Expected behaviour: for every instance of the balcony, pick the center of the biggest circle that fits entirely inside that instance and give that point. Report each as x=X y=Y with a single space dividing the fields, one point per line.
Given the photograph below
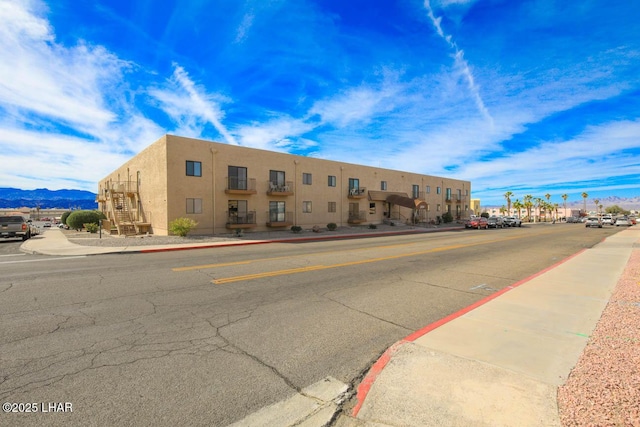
x=243 y=186
x=276 y=189
x=357 y=193
x=241 y=220
x=357 y=217
x=280 y=219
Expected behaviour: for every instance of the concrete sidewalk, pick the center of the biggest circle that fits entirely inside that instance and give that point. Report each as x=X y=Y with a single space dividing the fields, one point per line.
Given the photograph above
x=501 y=361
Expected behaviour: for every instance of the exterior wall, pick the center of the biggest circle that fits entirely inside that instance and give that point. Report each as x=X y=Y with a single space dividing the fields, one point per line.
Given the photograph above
x=165 y=186
x=147 y=170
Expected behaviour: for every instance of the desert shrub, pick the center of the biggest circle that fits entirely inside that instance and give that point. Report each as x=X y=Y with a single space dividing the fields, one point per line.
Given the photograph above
x=315 y=229
x=485 y=214
x=332 y=226
x=373 y=226
x=296 y=228
x=447 y=217
x=182 y=226
x=77 y=219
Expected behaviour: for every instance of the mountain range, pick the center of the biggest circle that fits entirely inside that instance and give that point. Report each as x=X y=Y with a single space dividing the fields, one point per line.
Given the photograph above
x=46 y=199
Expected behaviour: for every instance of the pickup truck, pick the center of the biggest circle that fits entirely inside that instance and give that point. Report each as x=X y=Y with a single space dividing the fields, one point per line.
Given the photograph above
x=14 y=226
x=512 y=221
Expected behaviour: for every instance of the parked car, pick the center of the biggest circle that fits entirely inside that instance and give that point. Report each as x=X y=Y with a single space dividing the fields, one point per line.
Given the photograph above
x=593 y=221
x=477 y=222
x=632 y=219
x=623 y=221
x=47 y=225
x=512 y=221
x=573 y=219
x=608 y=220
x=14 y=226
x=495 y=222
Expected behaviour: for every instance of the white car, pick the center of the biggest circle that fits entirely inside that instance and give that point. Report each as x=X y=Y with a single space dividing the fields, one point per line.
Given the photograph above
x=623 y=221
x=593 y=221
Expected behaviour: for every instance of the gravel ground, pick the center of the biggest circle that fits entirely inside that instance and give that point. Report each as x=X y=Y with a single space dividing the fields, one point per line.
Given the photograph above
x=604 y=387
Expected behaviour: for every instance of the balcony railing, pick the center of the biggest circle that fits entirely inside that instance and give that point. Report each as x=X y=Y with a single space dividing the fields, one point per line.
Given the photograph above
x=241 y=219
x=237 y=185
x=280 y=189
x=279 y=219
x=357 y=193
x=357 y=217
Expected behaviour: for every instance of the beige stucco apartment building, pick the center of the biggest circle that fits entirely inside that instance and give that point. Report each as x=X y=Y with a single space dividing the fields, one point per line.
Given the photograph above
x=225 y=187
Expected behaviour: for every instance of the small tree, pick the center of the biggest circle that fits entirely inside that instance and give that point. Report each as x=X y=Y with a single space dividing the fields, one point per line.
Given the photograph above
x=182 y=226
x=332 y=226
x=447 y=217
x=65 y=215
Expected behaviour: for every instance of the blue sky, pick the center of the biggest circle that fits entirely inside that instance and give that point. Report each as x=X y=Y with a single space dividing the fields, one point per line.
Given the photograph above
x=532 y=96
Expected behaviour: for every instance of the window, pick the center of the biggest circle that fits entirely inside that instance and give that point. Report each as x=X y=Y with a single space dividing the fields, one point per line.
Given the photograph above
x=277 y=178
x=306 y=207
x=438 y=190
x=237 y=211
x=332 y=181
x=194 y=168
x=372 y=208
x=428 y=189
x=438 y=207
x=459 y=194
x=466 y=192
x=415 y=191
x=448 y=195
x=237 y=178
x=194 y=206
x=276 y=212
x=354 y=183
x=383 y=185
x=306 y=178
x=332 y=206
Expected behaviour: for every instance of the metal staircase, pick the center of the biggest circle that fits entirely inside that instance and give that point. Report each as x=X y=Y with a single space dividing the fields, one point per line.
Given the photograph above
x=123 y=209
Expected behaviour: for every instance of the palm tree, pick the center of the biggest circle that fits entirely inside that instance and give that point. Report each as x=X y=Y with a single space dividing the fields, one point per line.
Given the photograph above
x=507 y=196
x=555 y=208
x=584 y=197
x=565 y=197
x=546 y=196
x=518 y=205
x=502 y=209
x=528 y=205
x=597 y=202
x=538 y=201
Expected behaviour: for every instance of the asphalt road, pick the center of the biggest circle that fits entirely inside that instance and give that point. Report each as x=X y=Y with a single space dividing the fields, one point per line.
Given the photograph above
x=207 y=337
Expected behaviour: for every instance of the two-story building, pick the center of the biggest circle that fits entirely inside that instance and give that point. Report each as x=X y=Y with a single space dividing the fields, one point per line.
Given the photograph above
x=225 y=187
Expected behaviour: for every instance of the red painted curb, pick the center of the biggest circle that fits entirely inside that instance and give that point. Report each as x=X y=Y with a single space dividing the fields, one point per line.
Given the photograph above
x=379 y=365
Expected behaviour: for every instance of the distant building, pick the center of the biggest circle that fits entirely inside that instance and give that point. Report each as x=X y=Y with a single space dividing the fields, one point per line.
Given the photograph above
x=225 y=187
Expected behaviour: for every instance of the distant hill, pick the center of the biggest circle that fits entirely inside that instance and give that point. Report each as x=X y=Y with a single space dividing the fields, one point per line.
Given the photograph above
x=46 y=199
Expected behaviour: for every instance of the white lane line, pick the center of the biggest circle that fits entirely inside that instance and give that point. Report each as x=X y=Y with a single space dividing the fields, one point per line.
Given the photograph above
x=13 y=255
x=39 y=260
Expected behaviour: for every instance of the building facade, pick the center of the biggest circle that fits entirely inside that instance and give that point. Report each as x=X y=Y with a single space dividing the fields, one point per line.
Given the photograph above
x=225 y=187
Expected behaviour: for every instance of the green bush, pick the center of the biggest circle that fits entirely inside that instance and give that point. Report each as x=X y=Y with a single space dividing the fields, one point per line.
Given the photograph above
x=296 y=228
x=373 y=226
x=92 y=228
x=65 y=215
x=484 y=214
x=181 y=226
x=447 y=217
x=332 y=226
x=77 y=219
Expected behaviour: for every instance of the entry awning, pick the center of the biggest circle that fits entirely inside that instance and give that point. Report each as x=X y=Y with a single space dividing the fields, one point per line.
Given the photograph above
x=407 y=202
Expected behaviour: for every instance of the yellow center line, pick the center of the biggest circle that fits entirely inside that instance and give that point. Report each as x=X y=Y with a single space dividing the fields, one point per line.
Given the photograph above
x=351 y=263
x=228 y=264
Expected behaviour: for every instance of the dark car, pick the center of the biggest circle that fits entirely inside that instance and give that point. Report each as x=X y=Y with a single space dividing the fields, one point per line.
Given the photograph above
x=495 y=222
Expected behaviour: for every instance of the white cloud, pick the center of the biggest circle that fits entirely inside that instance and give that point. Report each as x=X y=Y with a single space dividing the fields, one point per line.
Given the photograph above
x=191 y=106
x=279 y=134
